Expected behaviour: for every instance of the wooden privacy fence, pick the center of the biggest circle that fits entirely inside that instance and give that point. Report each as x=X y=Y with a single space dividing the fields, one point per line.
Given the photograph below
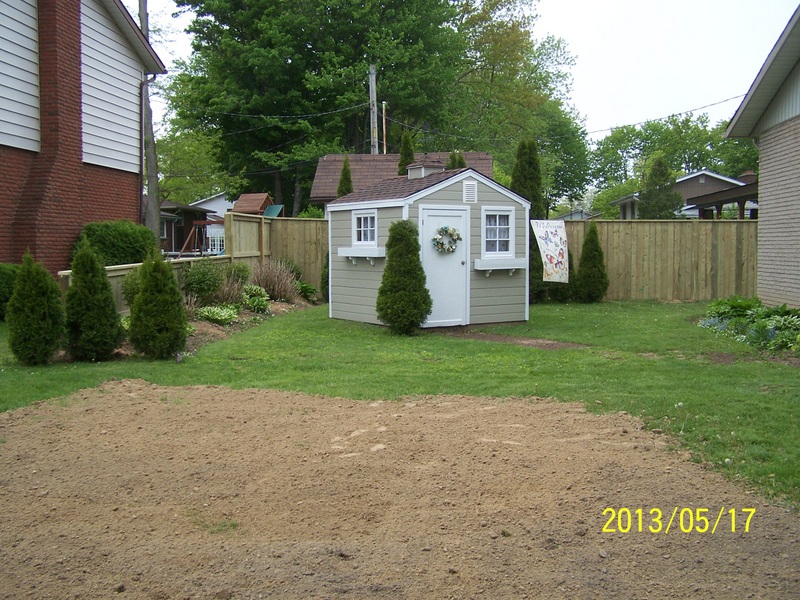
x=674 y=260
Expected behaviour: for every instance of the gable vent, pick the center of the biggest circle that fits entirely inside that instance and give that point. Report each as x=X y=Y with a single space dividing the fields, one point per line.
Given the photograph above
x=471 y=191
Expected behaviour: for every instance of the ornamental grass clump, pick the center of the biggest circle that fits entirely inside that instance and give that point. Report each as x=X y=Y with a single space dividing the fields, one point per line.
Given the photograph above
x=277 y=279
x=93 y=324
x=158 y=317
x=404 y=301
x=35 y=314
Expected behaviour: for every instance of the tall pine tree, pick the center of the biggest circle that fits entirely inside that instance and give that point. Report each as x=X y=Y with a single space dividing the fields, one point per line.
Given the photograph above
x=406 y=154
x=345 y=179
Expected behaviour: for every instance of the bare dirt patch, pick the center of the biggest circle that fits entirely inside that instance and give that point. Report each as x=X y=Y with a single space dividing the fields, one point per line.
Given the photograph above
x=540 y=343
x=132 y=490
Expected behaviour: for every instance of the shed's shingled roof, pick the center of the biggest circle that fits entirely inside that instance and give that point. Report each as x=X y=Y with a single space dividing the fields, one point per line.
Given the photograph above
x=252 y=204
x=369 y=169
x=397 y=187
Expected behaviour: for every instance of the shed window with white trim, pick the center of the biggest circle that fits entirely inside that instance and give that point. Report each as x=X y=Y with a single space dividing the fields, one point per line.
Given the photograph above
x=365 y=228
x=498 y=232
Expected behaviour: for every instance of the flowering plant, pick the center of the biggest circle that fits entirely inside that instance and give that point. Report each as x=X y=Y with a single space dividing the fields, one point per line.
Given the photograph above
x=446 y=239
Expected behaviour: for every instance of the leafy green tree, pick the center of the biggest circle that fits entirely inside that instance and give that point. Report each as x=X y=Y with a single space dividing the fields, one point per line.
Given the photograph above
x=191 y=169
x=657 y=199
x=286 y=82
x=92 y=321
x=406 y=153
x=35 y=314
x=591 y=282
x=158 y=317
x=404 y=301
x=345 y=179
x=734 y=156
x=526 y=178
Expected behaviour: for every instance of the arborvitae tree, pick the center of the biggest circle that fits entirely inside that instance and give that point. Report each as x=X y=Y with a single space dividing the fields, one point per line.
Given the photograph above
x=537 y=287
x=93 y=324
x=158 y=317
x=591 y=283
x=563 y=292
x=345 y=179
x=404 y=302
x=526 y=177
x=657 y=199
x=35 y=314
x=456 y=161
x=324 y=279
x=406 y=154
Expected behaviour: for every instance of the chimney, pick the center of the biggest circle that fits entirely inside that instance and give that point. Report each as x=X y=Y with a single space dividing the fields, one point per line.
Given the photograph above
x=426 y=166
x=748 y=177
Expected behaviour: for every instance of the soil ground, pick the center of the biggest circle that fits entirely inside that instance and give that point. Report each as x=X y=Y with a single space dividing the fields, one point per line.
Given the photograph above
x=132 y=490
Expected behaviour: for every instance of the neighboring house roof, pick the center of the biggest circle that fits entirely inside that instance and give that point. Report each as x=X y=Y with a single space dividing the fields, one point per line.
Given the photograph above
x=131 y=31
x=369 y=169
x=776 y=69
x=576 y=214
x=748 y=192
x=400 y=189
x=208 y=199
x=252 y=204
x=689 y=176
x=166 y=205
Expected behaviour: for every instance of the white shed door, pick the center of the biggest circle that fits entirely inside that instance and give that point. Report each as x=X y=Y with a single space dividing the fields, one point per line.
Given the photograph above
x=446 y=272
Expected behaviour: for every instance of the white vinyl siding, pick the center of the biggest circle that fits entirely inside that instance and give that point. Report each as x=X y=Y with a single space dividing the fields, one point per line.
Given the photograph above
x=19 y=84
x=111 y=75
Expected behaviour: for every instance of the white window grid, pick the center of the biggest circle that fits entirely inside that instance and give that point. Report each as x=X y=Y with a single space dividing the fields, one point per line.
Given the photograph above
x=365 y=228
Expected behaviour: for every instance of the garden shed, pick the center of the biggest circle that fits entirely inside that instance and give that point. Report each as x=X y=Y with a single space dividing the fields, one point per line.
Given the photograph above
x=476 y=273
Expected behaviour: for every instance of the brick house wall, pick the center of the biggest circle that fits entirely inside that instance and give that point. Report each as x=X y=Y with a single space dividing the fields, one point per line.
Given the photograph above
x=47 y=197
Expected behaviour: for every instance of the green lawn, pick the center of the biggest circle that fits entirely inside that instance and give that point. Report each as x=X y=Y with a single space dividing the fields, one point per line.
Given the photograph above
x=641 y=357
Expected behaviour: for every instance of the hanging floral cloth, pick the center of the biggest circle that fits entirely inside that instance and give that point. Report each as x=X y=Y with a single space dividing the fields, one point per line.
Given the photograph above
x=552 y=239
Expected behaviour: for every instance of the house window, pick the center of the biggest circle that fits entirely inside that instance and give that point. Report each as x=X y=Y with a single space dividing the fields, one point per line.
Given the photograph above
x=365 y=231
x=498 y=232
x=216 y=244
x=163 y=230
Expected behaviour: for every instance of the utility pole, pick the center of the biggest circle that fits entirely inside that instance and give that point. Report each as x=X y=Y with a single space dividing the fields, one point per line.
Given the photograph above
x=373 y=112
x=152 y=207
x=384 y=125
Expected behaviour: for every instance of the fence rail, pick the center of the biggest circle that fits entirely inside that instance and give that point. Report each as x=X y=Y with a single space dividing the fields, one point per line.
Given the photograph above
x=674 y=260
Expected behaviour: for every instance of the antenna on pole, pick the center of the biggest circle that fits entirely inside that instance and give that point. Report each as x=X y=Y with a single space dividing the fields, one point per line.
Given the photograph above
x=373 y=112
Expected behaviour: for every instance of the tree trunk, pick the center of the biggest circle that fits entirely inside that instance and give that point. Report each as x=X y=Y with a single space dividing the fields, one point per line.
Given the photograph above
x=298 y=196
x=151 y=205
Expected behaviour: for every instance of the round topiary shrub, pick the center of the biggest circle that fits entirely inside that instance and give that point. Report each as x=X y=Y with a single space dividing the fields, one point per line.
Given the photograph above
x=158 y=317
x=404 y=301
x=119 y=242
x=591 y=283
x=34 y=314
x=93 y=324
x=202 y=280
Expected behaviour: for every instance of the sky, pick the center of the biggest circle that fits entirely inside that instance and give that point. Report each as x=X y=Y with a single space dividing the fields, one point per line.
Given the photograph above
x=639 y=60
x=635 y=60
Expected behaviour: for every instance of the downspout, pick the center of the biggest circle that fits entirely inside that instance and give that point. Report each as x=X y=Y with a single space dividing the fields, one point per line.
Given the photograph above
x=142 y=86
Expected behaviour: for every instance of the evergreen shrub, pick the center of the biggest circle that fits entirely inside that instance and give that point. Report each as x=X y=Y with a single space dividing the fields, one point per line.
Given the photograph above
x=563 y=292
x=158 y=317
x=325 y=283
x=130 y=286
x=404 y=301
x=8 y=274
x=202 y=280
x=592 y=280
x=92 y=323
x=119 y=242
x=35 y=314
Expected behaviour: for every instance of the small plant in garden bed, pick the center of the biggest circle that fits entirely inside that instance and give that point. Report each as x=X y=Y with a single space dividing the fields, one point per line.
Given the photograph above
x=748 y=320
x=255 y=299
x=221 y=314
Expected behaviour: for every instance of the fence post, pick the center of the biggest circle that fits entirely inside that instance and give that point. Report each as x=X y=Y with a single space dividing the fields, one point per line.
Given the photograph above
x=229 y=241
